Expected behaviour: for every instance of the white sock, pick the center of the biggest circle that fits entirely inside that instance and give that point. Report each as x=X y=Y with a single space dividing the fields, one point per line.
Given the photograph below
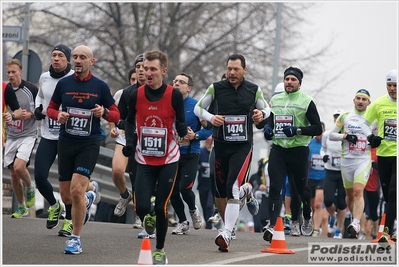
x=231 y=215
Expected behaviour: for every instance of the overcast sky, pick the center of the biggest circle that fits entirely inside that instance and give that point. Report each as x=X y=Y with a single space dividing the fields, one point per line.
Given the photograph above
x=365 y=46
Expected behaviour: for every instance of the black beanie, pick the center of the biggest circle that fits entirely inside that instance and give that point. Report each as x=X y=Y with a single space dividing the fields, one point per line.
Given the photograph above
x=139 y=58
x=294 y=71
x=64 y=49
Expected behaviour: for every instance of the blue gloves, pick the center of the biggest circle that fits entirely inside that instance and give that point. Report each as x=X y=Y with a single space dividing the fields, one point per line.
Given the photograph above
x=268 y=132
x=290 y=131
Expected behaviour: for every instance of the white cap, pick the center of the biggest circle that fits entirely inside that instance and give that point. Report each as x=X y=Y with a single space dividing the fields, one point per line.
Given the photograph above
x=338 y=112
x=279 y=88
x=392 y=76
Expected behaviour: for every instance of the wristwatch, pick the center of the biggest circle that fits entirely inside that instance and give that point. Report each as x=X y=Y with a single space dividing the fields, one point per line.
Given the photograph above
x=13 y=116
x=298 y=131
x=196 y=137
x=106 y=112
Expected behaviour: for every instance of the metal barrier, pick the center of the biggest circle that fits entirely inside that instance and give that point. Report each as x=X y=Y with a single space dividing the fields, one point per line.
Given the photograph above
x=102 y=174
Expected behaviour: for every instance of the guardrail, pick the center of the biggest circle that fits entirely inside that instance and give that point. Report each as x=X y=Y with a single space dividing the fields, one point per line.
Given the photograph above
x=102 y=174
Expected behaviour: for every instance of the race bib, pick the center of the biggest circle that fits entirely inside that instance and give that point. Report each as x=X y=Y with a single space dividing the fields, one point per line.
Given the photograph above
x=316 y=162
x=183 y=142
x=282 y=121
x=390 y=130
x=53 y=125
x=207 y=171
x=79 y=121
x=153 y=141
x=235 y=128
x=16 y=126
x=336 y=160
x=359 y=147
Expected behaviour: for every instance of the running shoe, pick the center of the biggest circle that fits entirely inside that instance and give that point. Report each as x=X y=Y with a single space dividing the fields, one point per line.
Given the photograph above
x=223 y=241
x=20 y=212
x=149 y=223
x=295 y=228
x=362 y=236
x=54 y=215
x=181 y=229
x=91 y=196
x=215 y=218
x=233 y=234
x=30 y=196
x=307 y=228
x=66 y=228
x=253 y=206
x=268 y=234
x=385 y=241
x=353 y=230
x=120 y=208
x=316 y=233
x=245 y=191
x=138 y=224
x=96 y=190
x=73 y=246
x=159 y=258
x=331 y=224
x=143 y=234
x=337 y=234
x=393 y=237
x=196 y=218
x=287 y=224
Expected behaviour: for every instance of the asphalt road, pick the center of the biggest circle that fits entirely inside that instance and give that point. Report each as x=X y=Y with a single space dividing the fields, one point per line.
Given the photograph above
x=28 y=242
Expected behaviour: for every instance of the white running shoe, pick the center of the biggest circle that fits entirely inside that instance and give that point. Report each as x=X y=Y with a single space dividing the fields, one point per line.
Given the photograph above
x=196 y=218
x=181 y=229
x=354 y=230
x=245 y=190
x=120 y=208
x=137 y=223
x=96 y=190
x=223 y=241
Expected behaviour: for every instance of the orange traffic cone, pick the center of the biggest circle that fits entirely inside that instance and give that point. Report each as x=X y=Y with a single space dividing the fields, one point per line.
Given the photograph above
x=278 y=244
x=145 y=257
x=381 y=231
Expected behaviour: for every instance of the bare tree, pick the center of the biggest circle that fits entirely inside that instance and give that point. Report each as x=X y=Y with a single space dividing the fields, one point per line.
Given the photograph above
x=197 y=37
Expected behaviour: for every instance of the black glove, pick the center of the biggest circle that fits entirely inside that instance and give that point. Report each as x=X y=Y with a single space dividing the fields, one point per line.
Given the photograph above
x=325 y=158
x=202 y=169
x=38 y=113
x=374 y=165
x=121 y=124
x=181 y=128
x=127 y=151
x=375 y=141
x=268 y=132
x=290 y=131
x=351 y=138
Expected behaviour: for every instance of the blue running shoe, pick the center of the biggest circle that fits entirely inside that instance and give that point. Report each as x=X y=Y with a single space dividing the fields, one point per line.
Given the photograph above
x=332 y=224
x=91 y=196
x=143 y=234
x=96 y=190
x=253 y=206
x=73 y=246
x=287 y=225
